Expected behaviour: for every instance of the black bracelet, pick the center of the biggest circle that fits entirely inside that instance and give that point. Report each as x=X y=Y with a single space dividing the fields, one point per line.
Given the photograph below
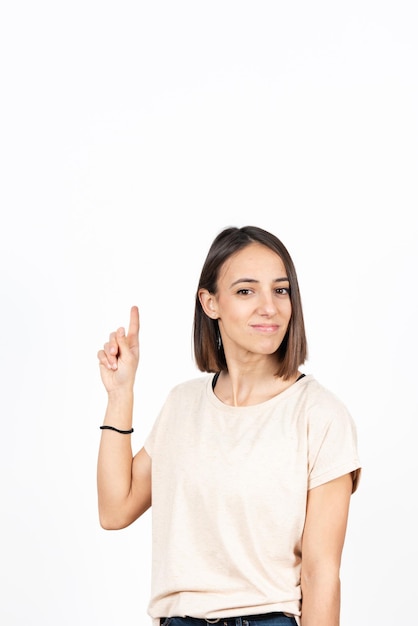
x=122 y=432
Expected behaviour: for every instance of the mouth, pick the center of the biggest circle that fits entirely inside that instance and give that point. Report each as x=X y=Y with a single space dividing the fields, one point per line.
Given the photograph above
x=267 y=329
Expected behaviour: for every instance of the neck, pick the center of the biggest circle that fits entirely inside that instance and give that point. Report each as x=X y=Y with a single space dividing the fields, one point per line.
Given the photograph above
x=238 y=388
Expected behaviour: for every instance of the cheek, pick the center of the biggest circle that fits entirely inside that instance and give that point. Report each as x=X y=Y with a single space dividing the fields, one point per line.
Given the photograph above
x=287 y=310
x=233 y=317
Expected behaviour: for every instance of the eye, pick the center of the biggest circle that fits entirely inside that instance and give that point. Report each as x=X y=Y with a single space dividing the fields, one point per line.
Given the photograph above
x=283 y=291
x=243 y=292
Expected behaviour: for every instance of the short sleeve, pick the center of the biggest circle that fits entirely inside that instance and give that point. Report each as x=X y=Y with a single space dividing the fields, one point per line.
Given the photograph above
x=332 y=444
x=160 y=424
x=149 y=443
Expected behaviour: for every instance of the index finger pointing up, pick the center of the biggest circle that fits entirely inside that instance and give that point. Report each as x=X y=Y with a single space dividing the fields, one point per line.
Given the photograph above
x=133 y=329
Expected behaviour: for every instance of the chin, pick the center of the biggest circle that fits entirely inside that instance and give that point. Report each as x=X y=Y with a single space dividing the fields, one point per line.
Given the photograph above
x=269 y=349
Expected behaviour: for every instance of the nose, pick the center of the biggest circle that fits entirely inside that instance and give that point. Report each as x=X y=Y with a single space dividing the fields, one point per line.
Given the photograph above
x=266 y=304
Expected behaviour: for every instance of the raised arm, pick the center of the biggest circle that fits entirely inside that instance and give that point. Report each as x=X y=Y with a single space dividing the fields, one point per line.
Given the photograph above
x=322 y=545
x=123 y=481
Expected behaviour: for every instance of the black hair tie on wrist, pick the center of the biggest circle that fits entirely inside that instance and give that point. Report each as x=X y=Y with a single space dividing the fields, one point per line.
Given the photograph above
x=122 y=432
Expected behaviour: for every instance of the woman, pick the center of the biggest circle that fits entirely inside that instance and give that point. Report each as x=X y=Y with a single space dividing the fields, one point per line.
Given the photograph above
x=250 y=469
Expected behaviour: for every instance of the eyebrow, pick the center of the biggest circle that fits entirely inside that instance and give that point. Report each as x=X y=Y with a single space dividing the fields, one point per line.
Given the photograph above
x=253 y=280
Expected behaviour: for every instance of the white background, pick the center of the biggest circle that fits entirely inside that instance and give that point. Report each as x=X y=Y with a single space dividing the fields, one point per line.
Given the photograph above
x=131 y=134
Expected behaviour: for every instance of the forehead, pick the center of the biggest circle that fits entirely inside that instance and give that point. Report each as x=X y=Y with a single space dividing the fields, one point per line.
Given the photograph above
x=253 y=261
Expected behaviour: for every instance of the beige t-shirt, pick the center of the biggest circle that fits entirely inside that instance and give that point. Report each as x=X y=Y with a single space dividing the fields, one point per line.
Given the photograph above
x=229 y=489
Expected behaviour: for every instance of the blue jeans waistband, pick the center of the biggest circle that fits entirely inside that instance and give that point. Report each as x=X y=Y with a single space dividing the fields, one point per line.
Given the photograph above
x=262 y=619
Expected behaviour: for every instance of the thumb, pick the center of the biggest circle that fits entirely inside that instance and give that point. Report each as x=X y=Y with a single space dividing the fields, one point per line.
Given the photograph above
x=121 y=341
x=128 y=345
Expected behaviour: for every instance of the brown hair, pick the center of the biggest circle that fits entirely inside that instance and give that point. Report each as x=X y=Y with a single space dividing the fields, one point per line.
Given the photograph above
x=292 y=352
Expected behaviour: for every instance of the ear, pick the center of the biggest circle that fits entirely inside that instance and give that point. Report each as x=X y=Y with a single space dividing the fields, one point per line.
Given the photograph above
x=209 y=303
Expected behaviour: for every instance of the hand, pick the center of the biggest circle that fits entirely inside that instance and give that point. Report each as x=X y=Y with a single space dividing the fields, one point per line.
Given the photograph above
x=120 y=356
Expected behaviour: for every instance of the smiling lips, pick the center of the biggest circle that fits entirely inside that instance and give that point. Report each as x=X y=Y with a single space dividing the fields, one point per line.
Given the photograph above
x=266 y=328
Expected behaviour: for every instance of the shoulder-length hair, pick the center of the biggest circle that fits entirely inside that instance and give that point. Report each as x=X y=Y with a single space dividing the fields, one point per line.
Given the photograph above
x=208 y=352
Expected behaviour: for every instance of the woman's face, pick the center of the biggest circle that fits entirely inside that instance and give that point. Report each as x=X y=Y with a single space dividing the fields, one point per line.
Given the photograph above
x=252 y=303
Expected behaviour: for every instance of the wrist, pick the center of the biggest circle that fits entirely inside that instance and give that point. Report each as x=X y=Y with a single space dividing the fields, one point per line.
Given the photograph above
x=119 y=410
x=120 y=394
